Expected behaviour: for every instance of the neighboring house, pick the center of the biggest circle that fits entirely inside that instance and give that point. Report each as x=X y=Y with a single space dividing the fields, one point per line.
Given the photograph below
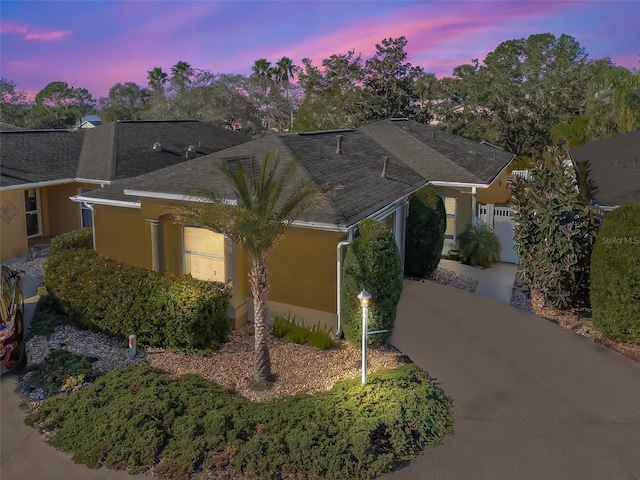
x=615 y=169
x=370 y=172
x=41 y=169
x=89 y=121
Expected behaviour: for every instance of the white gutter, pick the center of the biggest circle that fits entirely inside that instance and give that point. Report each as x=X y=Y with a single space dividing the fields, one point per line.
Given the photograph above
x=175 y=196
x=319 y=226
x=104 y=201
x=24 y=186
x=458 y=184
x=94 y=181
x=341 y=244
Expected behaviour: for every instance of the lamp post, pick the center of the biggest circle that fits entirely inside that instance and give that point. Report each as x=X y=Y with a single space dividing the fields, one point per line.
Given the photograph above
x=364 y=298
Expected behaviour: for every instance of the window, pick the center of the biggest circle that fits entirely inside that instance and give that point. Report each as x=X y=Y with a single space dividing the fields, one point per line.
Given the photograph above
x=203 y=253
x=86 y=215
x=450 y=206
x=32 y=210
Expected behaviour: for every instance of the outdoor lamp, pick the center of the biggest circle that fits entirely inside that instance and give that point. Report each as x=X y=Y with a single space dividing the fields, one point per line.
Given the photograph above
x=364 y=298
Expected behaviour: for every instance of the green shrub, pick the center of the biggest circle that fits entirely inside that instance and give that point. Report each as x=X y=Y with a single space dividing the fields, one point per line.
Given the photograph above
x=119 y=299
x=282 y=325
x=67 y=241
x=59 y=371
x=426 y=224
x=554 y=233
x=478 y=245
x=46 y=316
x=615 y=276
x=372 y=263
x=136 y=419
x=320 y=338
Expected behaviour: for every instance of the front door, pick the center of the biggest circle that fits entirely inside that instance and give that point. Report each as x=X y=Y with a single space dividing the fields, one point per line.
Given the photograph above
x=32 y=210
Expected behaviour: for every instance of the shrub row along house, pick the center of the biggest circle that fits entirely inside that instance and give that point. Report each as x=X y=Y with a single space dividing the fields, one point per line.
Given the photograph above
x=370 y=172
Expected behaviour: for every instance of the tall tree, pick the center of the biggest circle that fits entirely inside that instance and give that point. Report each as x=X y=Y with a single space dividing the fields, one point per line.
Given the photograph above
x=14 y=106
x=262 y=73
x=181 y=74
x=158 y=79
x=284 y=74
x=268 y=201
x=58 y=105
x=126 y=101
x=389 y=80
x=425 y=88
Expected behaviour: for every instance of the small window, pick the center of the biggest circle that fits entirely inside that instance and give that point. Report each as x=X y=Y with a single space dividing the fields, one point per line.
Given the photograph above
x=86 y=215
x=203 y=254
x=32 y=210
x=450 y=206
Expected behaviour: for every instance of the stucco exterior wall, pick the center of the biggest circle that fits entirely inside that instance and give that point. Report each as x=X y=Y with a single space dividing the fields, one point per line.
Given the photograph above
x=498 y=191
x=13 y=227
x=60 y=214
x=463 y=210
x=122 y=234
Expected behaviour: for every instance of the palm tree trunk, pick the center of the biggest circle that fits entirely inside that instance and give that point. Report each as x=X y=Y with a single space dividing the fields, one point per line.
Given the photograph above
x=259 y=282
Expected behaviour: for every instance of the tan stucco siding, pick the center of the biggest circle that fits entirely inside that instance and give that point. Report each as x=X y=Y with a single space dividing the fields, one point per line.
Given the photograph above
x=13 y=227
x=303 y=269
x=498 y=191
x=60 y=215
x=123 y=235
x=463 y=208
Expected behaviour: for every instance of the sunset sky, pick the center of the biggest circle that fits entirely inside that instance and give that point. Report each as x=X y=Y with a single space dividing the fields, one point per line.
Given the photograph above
x=95 y=44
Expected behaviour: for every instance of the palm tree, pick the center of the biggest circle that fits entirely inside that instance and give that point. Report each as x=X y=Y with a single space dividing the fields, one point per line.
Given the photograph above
x=284 y=74
x=157 y=81
x=263 y=73
x=268 y=201
x=181 y=74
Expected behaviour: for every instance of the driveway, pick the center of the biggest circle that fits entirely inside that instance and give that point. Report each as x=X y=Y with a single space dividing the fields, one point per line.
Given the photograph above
x=531 y=399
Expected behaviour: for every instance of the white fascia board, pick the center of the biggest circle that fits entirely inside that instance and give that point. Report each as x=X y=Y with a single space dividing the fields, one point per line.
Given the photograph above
x=93 y=180
x=459 y=184
x=25 y=186
x=175 y=196
x=104 y=201
x=319 y=226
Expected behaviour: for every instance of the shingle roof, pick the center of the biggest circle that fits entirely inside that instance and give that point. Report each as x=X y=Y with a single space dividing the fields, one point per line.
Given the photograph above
x=38 y=156
x=109 y=152
x=352 y=177
x=7 y=127
x=615 y=167
x=437 y=155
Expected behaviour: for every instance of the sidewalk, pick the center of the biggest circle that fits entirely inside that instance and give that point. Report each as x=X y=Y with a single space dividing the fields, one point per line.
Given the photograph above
x=495 y=282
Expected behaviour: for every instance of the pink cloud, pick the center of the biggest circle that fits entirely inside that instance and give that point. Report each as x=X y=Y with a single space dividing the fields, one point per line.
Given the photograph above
x=33 y=33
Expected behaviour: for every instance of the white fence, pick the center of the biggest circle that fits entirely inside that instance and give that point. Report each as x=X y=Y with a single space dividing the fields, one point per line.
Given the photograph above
x=501 y=220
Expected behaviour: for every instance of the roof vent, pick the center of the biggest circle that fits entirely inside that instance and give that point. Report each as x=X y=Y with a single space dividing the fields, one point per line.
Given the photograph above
x=384 y=167
x=191 y=149
x=157 y=147
x=339 y=144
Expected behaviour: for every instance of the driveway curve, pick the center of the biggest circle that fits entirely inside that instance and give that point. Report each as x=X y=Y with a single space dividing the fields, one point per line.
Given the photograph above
x=531 y=399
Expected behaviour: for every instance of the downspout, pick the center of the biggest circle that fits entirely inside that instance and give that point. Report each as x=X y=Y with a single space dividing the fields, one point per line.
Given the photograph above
x=343 y=243
x=93 y=223
x=474 y=207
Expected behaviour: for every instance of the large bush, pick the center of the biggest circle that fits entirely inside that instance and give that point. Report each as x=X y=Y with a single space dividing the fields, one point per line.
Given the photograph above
x=72 y=240
x=372 y=263
x=478 y=245
x=554 y=233
x=426 y=225
x=119 y=299
x=136 y=419
x=615 y=276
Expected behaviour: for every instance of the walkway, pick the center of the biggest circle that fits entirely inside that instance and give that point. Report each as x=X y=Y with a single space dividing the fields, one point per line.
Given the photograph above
x=531 y=399
x=495 y=282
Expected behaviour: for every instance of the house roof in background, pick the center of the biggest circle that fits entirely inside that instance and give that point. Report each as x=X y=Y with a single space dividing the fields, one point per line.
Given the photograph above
x=440 y=156
x=39 y=156
x=109 y=152
x=615 y=167
x=7 y=127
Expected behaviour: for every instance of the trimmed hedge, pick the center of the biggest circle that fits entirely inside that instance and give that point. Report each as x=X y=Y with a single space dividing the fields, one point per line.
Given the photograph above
x=372 y=263
x=426 y=225
x=72 y=240
x=615 y=276
x=119 y=299
x=136 y=419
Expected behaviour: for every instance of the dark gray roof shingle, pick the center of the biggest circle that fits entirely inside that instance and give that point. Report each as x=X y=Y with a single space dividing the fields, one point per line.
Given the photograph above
x=615 y=167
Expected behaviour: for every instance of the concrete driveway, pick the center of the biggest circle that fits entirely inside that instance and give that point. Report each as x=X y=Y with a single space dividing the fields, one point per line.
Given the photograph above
x=531 y=399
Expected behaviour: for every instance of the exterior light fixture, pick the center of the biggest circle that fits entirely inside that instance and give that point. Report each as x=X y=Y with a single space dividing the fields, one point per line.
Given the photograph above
x=365 y=298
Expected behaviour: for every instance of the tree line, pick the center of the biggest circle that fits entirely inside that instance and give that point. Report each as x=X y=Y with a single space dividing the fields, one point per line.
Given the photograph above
x=527 y=95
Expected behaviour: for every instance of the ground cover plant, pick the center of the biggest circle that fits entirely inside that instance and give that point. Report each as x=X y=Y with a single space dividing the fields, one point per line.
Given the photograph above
x=286 y=326
x=136 y=419
x=60 y=371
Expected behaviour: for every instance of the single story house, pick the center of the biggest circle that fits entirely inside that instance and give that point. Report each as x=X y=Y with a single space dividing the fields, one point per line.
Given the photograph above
x=615 y=169
x=41 y=169
x=370 y=172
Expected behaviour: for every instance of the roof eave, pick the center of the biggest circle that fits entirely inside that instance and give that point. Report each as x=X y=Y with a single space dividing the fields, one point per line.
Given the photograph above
x=104 y=201
x=25 y=186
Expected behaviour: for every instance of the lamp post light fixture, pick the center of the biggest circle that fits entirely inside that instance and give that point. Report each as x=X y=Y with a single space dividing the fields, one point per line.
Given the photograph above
x=364 y=298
